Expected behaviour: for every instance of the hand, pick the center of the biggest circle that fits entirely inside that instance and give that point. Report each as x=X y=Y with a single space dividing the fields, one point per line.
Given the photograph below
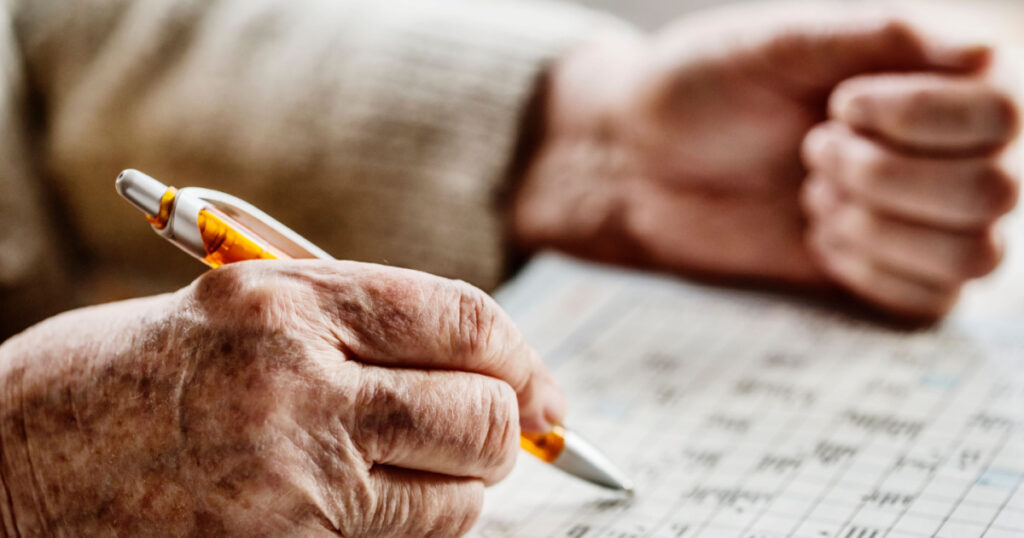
x=269 y=399
x=682 y=151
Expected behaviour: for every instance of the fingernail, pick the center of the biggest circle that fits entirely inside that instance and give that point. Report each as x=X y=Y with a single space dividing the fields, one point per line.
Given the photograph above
x=853 y=110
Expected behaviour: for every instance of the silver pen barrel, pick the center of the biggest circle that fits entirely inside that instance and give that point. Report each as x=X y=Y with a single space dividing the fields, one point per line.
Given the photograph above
x=576 y=456
x=582 y=459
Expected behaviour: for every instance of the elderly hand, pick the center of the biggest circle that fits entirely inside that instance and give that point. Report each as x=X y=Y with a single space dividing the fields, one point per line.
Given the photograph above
x=268 y=398
x=807 y=144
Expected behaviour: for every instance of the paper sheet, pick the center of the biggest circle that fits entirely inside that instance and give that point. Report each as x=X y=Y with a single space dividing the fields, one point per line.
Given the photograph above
x=743 y=414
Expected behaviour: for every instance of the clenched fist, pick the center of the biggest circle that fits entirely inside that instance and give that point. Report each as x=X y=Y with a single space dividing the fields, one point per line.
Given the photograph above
x=806 y=143
x=268 y=398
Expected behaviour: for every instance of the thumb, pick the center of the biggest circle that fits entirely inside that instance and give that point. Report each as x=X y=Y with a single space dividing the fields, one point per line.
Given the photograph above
x=818 y=47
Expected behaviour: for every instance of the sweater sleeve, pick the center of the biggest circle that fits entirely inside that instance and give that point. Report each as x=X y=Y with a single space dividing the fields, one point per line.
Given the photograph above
x=381 y=130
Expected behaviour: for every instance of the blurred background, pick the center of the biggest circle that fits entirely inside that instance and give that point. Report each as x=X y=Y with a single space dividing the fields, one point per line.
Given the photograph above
x=998 y=18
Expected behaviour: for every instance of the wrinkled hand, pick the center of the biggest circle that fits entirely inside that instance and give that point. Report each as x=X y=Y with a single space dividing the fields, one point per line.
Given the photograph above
x=269 y=398
x=818 y=144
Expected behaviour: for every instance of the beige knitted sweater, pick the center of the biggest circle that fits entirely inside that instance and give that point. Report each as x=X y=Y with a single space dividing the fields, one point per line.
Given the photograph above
x=381 y=129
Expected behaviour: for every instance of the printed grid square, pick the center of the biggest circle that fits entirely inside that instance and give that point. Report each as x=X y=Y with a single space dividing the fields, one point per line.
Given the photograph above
x=848 y=496
x=875 y=517
x=931 y=505
x=818 y=529
x=918 y=523
x=789 y=506
x=1010 y=520
x=906 y=534
x=987 y=495
x=774 y=523
x=994 y=532
x=953 y=529
x=807 y=487
x=1017 y=500
x=947 y=489
x=862 y=479
x=720 y=532
x=734 y=517
x=974 y=513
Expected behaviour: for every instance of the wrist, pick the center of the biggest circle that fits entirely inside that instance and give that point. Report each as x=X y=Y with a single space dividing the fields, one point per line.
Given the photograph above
x=573 y=158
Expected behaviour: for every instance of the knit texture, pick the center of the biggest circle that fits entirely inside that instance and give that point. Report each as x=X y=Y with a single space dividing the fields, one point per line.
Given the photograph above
x=381 y=130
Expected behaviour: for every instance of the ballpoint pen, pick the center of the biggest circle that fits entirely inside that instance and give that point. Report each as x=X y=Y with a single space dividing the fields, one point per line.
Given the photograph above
x=218 y=229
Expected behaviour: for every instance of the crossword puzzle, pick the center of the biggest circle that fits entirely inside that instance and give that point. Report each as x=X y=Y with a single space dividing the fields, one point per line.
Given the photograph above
x=742 y=415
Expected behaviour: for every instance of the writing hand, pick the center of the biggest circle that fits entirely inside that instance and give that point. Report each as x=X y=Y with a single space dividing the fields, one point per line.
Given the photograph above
x=269 y=398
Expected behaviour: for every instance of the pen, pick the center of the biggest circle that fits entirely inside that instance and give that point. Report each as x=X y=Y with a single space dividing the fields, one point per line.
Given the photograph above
x=218 y=229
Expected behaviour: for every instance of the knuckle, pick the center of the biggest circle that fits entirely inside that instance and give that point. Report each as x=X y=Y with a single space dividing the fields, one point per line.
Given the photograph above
x=814 y=238
x=826 y=244
x=384 y=417
x=499 y=442
x=983 y=255
x=999 y=190
x=423 y=510
x=941 y=301
x=854 y=103
x=819 y=147
x=1006 y=115
x=872 y=168
x=900 y=37
x=397 y=509
x=470 y=513
x=242 y=291
x=856 y=224
x=222 y=283
x=845 y=90
x=810 y=198
x=897 y=33
x=822 y=196
x=378 y=308
x=474 y=320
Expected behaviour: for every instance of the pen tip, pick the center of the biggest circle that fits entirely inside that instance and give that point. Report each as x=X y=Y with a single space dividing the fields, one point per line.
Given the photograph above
x=583 y=460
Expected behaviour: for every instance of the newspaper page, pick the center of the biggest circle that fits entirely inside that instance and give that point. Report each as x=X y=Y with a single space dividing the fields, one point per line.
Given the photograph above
x=750 y=415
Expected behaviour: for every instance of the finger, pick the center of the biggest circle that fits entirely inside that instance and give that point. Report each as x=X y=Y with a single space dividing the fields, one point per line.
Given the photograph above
x=968 y=193
x=446 y=422
x=930 y=254
x=398 y=317
x=895 y=293
x=416 y=503
x=928 y=111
